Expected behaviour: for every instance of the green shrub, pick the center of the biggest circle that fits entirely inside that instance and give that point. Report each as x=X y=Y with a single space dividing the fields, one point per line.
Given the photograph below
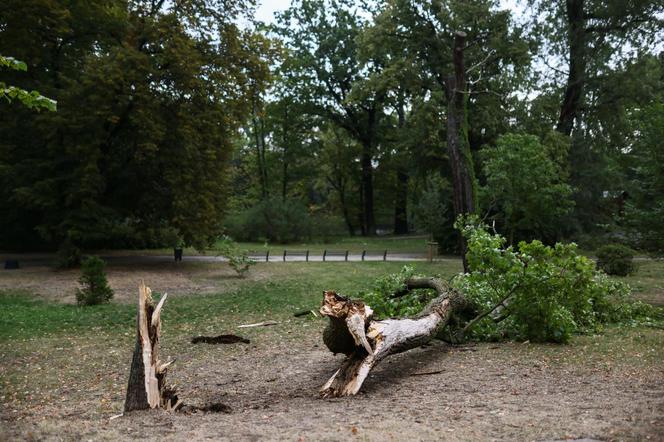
x=533 y=292
x=550 y=293
x=95 y=289
x=615 y=259
x=237 y=258
x=273 y=220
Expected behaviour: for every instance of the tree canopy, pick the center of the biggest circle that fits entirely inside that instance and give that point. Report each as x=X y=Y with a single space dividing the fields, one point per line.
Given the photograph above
x=179 y=121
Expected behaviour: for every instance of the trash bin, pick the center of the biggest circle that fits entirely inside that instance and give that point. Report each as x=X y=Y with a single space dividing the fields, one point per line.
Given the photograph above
x=11 y=264
x=177 y=253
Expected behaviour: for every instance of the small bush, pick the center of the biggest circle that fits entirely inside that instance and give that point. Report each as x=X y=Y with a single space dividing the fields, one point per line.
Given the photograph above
x=273 y=220
x=95 y=289
x=237 y=259
x=615 y=259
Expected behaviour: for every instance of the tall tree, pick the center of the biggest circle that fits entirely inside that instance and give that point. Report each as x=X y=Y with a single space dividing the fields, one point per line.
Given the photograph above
x=321 y=36
x=151 y=95
x=591 y=35
x=586 y=42
x=461 y=49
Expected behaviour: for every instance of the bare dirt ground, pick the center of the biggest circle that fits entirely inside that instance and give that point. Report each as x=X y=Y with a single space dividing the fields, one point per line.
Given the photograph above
x=184 y=278
x=67 y=387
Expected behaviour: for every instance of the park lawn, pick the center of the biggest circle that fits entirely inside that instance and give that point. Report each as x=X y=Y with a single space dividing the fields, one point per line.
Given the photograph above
x=63 y=363
x=399 y=244
x=647 y=281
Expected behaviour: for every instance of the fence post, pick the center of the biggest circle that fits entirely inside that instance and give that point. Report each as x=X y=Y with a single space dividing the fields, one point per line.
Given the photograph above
x=385 y=256
x=346 y=257
x=324 y=253
x=364 y=252
x=307 y=256
x=284 y=255
x=267 y=256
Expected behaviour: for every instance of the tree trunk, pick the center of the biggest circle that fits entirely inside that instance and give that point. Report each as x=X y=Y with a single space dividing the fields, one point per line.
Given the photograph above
x=285 y=156
x=367 y=342
x=368 y=221
x=344 y=209
x=401 y=200
x=570 y=109
x=458 y=148
x=401 y=203
x=147 y=377
x=259 y=140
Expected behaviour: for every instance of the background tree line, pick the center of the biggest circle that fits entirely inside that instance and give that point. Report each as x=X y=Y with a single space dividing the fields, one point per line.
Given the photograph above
x=178 y=121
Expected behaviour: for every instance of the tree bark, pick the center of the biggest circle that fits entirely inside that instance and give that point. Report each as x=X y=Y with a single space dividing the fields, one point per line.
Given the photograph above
x=285 y=156
x=401 y=203
x=401 y=200
x=259 y=140
x=368 y=221
x=458 y=149
x=147 y=377
x=367 y=342
x=570 y=109
x=344 y=210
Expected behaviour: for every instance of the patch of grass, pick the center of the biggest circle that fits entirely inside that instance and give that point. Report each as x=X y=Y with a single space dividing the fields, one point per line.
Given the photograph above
x=355 y=244
x=647 y=281
x=294 y=287
x=25 y=316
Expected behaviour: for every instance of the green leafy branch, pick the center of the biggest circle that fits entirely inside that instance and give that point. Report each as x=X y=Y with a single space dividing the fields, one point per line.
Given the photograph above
x=33 y=99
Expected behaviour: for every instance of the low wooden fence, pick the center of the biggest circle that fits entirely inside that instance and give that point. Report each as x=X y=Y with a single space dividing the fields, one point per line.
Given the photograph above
x=326 y=255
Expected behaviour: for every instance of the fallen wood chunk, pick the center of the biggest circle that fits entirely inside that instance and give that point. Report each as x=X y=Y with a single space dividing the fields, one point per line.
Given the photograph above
x=221 y=339
x=305 y=313
x=258 y=324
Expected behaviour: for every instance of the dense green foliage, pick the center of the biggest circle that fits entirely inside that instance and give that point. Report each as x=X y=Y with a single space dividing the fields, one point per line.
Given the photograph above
x=543 y=293
x=615 y=259
x=150 y=96
x=526 y=187
x=644 y=210
x=94 y=285
x=179 y=121
x=273 y=220
x=529 y=292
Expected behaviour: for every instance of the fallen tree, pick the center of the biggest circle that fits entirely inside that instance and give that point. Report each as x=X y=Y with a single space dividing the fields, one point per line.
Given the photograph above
x=366 y=342
x=531 y=292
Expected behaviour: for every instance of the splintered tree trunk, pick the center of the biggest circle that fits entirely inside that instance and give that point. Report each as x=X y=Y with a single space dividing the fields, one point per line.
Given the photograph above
x=372 y=341
x=147 y=387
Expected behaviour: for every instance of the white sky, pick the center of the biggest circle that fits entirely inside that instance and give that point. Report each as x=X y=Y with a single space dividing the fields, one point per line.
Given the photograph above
x=265 y=12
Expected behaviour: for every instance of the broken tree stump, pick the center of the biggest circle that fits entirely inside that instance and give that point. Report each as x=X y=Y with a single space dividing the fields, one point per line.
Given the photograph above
x=367 y=342
x=147 y=378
